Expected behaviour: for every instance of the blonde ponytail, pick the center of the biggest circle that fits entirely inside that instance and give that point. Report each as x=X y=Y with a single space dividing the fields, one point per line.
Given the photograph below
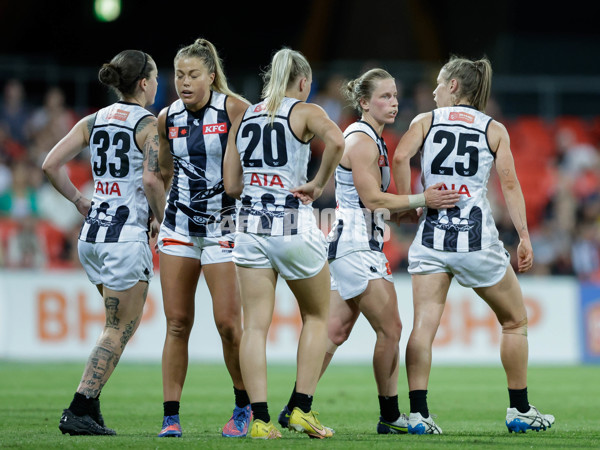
x=285 y=68
x=475 y=79
x=207 y=52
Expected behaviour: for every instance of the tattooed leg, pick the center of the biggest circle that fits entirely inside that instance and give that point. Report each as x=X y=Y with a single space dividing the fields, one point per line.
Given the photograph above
x=123 y=315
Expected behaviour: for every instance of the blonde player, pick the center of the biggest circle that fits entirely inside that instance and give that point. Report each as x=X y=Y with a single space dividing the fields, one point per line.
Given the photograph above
x=197 y=232
x=459 y=145
x=265 y=165
x=361 y=279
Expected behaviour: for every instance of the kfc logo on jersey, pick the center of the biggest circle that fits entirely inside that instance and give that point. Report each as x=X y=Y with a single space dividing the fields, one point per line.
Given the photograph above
x=260 y=107
x=382 y=161
x=119 y=114
x=462 y=116
x=177 y=132
x=216 y=128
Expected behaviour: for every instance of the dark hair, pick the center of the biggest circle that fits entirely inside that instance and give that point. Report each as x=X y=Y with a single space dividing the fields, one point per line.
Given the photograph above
x=363 y=87
x=122 y=72
x=475 y=79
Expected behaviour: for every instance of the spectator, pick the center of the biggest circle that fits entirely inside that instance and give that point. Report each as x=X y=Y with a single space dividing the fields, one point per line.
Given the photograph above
x=585 y=252
x=14 y=111
x=20 y=200
x=24 y=249
x=48 y=124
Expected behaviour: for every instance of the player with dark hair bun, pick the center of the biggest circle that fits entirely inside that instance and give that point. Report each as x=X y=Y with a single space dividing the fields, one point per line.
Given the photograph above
x=127 y=204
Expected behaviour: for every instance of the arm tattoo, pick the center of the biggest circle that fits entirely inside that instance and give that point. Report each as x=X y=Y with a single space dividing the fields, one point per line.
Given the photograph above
x=151 y=152
x=144 y=123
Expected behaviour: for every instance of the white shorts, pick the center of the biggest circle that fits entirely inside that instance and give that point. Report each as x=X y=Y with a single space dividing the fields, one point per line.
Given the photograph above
x=116 y=265
x=481 y=268
x=351 y=273
x=209 y=250
x=294 y=257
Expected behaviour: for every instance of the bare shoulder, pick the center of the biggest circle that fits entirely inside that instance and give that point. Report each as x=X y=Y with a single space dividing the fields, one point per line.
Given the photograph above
x=361 y=145
x=85 y=126
x=162 y=115
x=145 y=125
x=497 y=134
x=236 y=106
x=310 y=108
x=422 y=120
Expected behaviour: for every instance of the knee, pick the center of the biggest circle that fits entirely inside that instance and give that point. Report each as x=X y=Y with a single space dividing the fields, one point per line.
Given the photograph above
x=389 y=329
x=515 y=327
x=179 y=327
x=229 y=329
x=393 y=330
x=338 y=337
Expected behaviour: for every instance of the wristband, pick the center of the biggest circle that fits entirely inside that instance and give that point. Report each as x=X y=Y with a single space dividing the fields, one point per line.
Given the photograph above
x=416 y=200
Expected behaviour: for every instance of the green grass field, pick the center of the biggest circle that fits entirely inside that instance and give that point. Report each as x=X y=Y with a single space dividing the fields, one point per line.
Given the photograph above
x=470 y=404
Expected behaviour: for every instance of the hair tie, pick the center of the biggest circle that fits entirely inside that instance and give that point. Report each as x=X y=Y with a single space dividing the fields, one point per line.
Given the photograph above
x=144 y=67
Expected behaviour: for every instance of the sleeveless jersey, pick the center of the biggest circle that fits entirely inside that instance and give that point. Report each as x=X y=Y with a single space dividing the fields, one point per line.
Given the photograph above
x=120 y=210
x=356 y=227
x=197 y=204
x=273 y=160
x=456 y=152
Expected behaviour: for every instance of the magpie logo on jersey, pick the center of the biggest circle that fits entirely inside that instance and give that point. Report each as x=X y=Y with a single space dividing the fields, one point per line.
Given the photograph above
x=455 y=223
x=226 y=218
x=178 y=132
x=453 y=226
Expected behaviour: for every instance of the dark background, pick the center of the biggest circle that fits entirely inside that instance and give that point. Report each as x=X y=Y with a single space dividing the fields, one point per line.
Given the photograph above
x=520 y=36
x=63 y=39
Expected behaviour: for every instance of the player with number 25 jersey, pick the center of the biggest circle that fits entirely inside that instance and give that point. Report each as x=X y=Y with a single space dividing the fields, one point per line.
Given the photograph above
x=456 y=152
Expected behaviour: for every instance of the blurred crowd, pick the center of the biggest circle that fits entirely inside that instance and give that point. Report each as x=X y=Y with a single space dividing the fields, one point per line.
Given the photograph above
x=558 y=164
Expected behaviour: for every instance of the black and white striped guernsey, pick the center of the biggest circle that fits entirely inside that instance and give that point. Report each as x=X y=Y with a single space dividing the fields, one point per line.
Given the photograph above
x=456 y=153
x=274 y=160
x=356 y=227
x=120 y=210
x=197 y=204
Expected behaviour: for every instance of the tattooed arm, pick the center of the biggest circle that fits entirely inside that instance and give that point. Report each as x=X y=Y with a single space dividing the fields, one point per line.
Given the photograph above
x=54 y=164
x=152 y=178
x=511 y=189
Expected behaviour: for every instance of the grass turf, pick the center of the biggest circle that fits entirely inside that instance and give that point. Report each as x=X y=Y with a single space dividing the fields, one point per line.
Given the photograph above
x=470 y=404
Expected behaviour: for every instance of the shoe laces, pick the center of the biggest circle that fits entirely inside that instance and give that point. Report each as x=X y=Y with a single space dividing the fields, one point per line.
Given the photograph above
x=314 y=415
x=170 y=420
x=240 y=417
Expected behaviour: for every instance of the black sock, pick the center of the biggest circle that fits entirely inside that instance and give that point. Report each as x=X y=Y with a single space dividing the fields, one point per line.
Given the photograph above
x=518 y=399
x=81 y=405
x=388 y=408
x=241 y=398
x=418 y=402
x=303 y=401
x=261 y=411
x=291 y=405
x=171 y=408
